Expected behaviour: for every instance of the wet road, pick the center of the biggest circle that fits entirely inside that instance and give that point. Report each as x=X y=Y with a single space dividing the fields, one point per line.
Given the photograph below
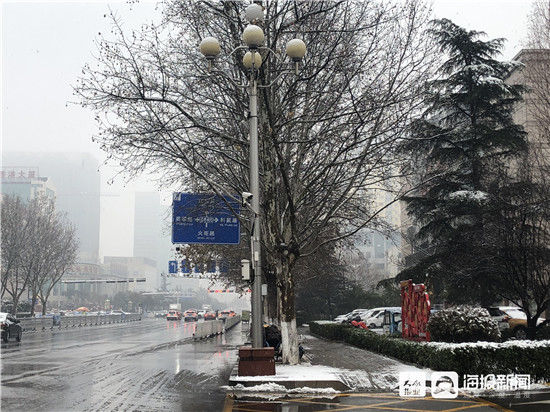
x=145 y=365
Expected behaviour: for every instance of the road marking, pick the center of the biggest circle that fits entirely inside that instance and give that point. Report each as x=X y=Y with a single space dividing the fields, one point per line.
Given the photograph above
x=494 y=405
x=471 y=403
x=228 y=404
x=461 y=408
x=376 y=405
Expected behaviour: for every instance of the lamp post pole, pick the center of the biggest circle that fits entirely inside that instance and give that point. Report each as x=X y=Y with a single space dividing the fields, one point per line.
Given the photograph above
x=253 y=37
x=257 y=335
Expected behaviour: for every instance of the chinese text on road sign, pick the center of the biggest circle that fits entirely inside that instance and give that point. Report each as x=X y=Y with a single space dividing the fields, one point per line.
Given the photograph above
x=205 y=218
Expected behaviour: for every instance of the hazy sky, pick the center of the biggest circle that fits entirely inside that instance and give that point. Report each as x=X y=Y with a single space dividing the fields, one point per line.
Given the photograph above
x=45 y=44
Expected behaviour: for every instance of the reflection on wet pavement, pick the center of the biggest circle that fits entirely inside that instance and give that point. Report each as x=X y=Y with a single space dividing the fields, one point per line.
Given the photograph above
x=147 y=365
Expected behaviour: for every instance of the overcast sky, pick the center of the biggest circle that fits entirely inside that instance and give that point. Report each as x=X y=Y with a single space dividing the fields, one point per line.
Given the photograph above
x=45 y=44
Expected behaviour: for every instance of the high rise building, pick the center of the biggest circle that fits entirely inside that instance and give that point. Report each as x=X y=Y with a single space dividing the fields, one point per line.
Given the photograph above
x=26 y=183
x=147 y=225
x=76 y=179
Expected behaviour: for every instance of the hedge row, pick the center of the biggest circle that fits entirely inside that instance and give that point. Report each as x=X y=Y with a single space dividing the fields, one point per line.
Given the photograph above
x=480 y=360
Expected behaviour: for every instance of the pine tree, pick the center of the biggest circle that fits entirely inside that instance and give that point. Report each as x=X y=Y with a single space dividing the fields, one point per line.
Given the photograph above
x=458 y=146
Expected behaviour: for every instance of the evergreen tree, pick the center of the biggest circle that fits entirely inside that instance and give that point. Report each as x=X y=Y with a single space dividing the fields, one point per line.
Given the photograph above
x=458 y=146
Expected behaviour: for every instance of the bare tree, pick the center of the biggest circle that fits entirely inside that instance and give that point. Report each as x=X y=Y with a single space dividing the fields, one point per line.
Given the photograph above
x=326 y=137
x=13 y=238
x=18 y=224
x=521 y=245
x=61 y=256
x=37 y=247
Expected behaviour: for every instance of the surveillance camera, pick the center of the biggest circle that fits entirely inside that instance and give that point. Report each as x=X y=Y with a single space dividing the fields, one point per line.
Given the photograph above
x=247 y=197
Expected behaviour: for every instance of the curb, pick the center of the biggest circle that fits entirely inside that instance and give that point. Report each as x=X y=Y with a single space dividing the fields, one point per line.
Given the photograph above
x=337 y=385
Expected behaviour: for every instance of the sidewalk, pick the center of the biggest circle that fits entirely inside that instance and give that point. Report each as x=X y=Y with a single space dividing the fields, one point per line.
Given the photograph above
x=371 y=380
x=329 y=367
x=360 y=370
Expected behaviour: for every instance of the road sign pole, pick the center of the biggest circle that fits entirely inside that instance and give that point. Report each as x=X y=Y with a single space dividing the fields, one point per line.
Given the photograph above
x=257 y=335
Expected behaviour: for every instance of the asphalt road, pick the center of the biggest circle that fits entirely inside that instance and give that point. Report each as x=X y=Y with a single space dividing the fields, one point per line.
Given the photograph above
x=147 y=365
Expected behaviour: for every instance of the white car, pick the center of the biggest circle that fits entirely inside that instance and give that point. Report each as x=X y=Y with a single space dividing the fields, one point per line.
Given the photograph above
x=342 y=318
x=376 y=319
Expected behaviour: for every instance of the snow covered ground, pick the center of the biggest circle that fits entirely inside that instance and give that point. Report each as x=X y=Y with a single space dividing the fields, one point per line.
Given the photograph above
x=356 y=380
x=493 y=345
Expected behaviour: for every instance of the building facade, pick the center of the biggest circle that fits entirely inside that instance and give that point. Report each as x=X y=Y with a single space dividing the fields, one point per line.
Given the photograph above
x=76 y=180
x=26 y=183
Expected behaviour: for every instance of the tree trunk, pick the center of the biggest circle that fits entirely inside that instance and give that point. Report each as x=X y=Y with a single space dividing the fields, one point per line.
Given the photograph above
x=289 y=333
x=43 y=302
x=15 y=300
x=33 y=303
x=531 y=328
x=272 y=297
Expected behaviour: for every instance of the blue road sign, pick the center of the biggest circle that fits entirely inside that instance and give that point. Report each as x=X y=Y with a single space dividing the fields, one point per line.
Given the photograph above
x=172 y=266
x=185 y=266
x=205 y=218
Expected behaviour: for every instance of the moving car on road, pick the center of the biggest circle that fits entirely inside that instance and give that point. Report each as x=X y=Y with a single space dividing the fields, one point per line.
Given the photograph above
x=224 y=314
x=10 y=327
x=190 y=314
x=173 y=315
x=210 y=316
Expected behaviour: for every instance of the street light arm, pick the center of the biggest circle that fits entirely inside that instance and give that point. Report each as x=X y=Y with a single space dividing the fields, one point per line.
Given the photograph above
x=244 y=86
x=238 y=48
x=277 y=55
x=265 y=86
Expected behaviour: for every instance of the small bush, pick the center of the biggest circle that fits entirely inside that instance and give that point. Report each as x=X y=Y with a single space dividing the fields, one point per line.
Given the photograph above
x=329 y=330
x=463 y=324
x=543 y=333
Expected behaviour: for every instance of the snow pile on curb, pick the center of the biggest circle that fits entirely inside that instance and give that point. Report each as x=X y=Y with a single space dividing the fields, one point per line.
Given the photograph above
x=302 y=372
x=385 y=378
x=275 y=388
x=520 y=344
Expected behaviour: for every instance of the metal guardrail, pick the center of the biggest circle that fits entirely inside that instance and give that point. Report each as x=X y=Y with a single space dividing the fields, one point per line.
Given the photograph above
x=37 y=324
x=214 y=327
x=206 y=329
x=230 y=322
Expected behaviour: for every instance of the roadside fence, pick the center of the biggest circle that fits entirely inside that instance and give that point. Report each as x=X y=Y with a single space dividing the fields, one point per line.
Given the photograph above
x=61 y=322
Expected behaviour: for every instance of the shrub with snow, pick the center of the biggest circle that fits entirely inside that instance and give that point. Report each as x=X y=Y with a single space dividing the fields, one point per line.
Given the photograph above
x=463 y=324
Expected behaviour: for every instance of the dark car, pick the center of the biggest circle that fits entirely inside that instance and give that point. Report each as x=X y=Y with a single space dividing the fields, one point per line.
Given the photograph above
x=10 y=327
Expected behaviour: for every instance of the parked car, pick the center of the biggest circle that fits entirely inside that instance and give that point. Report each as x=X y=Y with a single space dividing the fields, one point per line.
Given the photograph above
x=376 y=319
x=357 y=312
x=10 y=327
x=517 y=320
x=392 y=321
x=343 y=318
x=190 y=314
x=210 y=316
x=173 y=315
x=201 y=313
x=500 y=317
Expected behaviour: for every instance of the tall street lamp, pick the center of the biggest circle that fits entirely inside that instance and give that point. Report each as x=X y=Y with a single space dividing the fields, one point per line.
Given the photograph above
x=253 y=38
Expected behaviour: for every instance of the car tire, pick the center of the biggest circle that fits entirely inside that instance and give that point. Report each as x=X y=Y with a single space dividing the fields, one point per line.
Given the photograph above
x=520 y=332
x=18 y=338
x=372 y=326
